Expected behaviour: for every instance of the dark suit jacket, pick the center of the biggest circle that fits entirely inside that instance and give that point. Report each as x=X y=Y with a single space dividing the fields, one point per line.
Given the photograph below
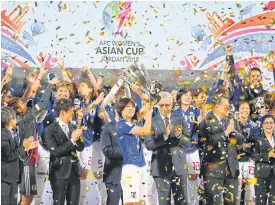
x=61 y=149
x=10 y=157
x=218 y=153
x=167 y=154
x=113 y=155
x=264 y=164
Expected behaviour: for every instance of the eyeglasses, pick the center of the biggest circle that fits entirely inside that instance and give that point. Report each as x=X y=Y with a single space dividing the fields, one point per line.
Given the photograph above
x=164 y=105
x=268 y=123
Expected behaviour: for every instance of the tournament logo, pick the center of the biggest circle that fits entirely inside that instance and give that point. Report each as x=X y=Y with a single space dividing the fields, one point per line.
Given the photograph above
x=116 y=16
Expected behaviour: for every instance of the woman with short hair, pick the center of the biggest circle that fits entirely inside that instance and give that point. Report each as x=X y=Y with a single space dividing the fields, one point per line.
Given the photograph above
x=265 y=163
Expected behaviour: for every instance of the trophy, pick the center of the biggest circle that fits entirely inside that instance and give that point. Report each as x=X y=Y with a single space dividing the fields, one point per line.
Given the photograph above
x=137 y=74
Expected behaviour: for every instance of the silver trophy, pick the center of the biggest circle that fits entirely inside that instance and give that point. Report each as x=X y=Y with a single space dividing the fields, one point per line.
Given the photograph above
x=137 y=74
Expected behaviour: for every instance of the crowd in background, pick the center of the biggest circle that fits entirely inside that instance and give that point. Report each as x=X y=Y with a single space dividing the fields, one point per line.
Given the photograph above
x=201 y=146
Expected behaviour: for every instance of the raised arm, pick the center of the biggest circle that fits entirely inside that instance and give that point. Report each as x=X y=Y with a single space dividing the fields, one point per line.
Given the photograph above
x=91 y=77
x=43 y=102
x=34 y=82
x=65 y=74
x=146 y=129
x=100 y=81
x=7 y=78
x=142 y=112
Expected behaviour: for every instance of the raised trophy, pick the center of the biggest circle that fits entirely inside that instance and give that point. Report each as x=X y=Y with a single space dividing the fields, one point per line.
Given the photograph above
x=137 y=74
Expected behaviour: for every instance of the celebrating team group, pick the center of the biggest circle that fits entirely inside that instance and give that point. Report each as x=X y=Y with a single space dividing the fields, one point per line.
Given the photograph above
x=185 y=147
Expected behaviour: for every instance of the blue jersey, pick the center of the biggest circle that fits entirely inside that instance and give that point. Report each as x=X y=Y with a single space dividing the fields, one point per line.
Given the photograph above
x=91 y=121
x=130 y=144
x=191 y=118
x=250 y=131
x=111 y=112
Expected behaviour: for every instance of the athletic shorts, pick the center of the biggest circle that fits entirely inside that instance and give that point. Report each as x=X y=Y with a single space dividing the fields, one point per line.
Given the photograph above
x=193 y=162
x=246 y=169
x=43 y=161
x=133 y=183
x=28 y=181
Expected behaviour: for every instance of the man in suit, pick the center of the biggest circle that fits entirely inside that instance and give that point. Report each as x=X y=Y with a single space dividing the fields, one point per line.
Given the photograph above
x=113 y=162
x=11 y=152
x=168 y=165
x=219 y=140
x=63 y=140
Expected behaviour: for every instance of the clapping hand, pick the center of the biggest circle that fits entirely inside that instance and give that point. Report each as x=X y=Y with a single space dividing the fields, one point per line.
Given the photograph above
x=168 y=130
x=76 y=134
x=30 y=143
x=230 y=128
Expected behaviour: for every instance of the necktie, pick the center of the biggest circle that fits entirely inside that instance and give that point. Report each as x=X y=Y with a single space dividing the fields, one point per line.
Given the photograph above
x=166 y=121
x=223 y=123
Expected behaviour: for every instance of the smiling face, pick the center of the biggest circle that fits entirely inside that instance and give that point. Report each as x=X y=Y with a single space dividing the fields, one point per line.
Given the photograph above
x=165 y=106
x=255 y=78
x=129 y=111
x=62 y=92
x=268 y=125
x=186 y=98
x=202 y=98
x=244 y=110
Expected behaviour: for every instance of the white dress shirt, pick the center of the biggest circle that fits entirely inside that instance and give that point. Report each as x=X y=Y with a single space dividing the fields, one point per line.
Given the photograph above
x=65 y=127
x=169 y=120
x=272 y=142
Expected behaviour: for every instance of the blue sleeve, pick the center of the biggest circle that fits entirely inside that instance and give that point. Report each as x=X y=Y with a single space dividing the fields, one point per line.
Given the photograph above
x=197 y=113
x=41 y=129
x=98 y=109
x=138 y=102
x=124 y=127
x=254 y=133
x=219 y=84
x=110 y=112
x=155 y=111
x=92 y=114
x=213 y=90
